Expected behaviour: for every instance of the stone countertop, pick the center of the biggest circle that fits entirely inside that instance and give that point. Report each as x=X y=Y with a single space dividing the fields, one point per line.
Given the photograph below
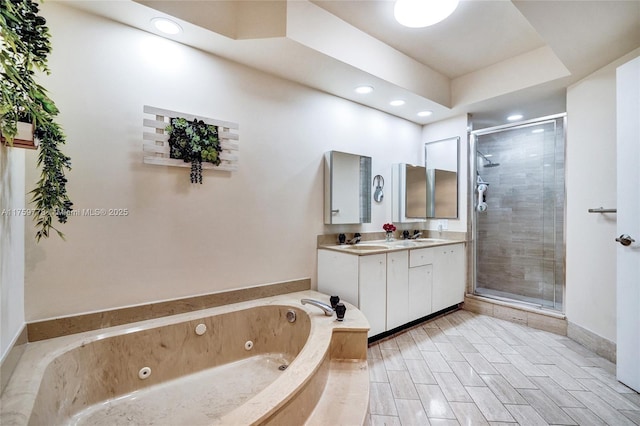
x=383 y=246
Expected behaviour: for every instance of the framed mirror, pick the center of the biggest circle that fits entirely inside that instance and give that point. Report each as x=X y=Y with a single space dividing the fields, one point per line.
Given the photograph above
x=442 y=159
x=347 y=188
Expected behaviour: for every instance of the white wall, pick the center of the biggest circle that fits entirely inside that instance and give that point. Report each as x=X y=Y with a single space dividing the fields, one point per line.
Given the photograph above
x=12 y=222
x=254 y=226
x=453 y=127
x=591 y=183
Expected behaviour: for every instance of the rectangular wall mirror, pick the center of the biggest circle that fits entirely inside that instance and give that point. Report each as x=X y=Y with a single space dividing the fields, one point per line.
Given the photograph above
x=347 y=188
x=415 y=200
x=442 y=159
x=408 y=193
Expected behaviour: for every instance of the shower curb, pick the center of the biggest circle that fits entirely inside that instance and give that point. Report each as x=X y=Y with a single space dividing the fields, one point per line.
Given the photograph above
x=535 y=318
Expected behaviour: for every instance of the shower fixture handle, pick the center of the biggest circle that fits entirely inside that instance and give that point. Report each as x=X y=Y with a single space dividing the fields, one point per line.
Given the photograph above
x=625 y=240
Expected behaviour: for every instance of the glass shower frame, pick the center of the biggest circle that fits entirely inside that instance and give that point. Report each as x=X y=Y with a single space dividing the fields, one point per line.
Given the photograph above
x=554 y=305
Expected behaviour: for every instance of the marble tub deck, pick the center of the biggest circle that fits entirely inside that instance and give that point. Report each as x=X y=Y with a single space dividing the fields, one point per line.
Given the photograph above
x=333 y=349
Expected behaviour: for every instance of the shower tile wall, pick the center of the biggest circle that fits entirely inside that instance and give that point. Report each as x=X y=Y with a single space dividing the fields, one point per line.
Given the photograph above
x=520 y=236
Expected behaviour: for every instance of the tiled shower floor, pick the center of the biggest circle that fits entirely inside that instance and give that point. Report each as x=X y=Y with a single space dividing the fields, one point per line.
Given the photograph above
x=470 y=369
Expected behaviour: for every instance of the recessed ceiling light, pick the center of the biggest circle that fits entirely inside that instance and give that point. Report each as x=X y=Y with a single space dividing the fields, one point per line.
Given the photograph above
x=425 y=113
x=363 y=90
x=166 y=26
x=514 y=117
x=537 y=131
x=422 y=13
x=397 y=102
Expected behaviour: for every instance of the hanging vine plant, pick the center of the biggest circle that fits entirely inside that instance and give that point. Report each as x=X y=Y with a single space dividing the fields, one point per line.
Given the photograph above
x=194 y=142
x=24 y=48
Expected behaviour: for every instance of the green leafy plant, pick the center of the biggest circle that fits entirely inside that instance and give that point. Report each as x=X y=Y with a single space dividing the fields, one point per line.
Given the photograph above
x=194 y=142
x=24 y=48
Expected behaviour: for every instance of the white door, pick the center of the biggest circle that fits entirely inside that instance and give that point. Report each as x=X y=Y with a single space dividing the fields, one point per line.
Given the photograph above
x=628 y=224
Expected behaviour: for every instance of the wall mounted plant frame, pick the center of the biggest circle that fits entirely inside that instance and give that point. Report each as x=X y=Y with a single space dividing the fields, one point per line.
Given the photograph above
x=24 y=138
x=157 y=149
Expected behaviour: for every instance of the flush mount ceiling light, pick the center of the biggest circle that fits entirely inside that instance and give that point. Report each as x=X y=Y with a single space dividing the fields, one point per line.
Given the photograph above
x=166 y=26
x=422 y=13
x=363 y=90
x=397 y=102
x=514 y=117
x=425 y=113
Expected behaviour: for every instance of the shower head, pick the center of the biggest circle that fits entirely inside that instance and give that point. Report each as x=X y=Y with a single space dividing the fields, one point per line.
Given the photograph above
x=488 y=163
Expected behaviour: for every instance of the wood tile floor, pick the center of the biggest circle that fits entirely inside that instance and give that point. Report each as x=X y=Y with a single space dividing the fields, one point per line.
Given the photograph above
x=470 y=369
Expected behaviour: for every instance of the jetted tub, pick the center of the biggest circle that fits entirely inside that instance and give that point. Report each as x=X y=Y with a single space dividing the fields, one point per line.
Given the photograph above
x=239 y=364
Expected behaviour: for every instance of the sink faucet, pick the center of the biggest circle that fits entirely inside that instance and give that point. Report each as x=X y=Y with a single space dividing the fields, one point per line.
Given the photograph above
x=355 y=239
x=416 y=234
x=328 y=310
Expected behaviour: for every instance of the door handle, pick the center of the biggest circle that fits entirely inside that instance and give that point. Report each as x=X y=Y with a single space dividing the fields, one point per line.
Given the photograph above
x=625 y=240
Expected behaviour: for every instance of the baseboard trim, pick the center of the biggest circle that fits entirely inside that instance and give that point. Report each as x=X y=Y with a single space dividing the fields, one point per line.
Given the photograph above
x=595 y=343
x=47 y=329
x=401 y=329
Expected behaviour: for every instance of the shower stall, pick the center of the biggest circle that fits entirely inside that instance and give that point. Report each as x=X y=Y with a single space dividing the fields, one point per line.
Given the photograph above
x=517 y=176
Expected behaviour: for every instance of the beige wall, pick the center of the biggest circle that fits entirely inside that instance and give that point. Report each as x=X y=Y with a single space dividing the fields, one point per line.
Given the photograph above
x=254 y=226
x=12 y=221
x=591 y=183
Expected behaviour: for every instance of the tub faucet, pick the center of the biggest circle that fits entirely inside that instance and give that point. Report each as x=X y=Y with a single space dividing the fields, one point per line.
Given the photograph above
x=416 y=234
x=328 y=310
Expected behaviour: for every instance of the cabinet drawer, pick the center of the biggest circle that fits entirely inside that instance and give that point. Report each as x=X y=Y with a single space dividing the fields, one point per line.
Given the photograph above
x=420 y=257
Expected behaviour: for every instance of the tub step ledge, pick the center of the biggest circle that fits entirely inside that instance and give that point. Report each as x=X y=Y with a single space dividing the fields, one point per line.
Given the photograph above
x=345 y=399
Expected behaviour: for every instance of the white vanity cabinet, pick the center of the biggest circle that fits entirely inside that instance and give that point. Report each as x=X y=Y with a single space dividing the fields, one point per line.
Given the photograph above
x=421 y=282
x=359 y=280
x=397 y=287
x=449 y=276
x=372 y=285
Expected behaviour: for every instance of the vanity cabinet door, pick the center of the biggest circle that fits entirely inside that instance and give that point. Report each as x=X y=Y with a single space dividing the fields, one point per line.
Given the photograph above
x=449 y=276
x=338 y=275
x=420 y=289
x=373 y=291
x=397 y=289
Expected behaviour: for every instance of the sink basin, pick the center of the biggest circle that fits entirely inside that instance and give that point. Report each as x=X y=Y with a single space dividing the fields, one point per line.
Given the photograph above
x=365 y=247
x=403 y=244
x=430 y=240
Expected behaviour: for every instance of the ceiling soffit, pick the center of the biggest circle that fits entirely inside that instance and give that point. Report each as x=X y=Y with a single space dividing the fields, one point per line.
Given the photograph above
x=239 y=20
x=301 y=41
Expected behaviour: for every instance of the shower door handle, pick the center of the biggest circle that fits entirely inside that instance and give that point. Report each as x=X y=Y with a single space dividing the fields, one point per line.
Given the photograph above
x=625 y=240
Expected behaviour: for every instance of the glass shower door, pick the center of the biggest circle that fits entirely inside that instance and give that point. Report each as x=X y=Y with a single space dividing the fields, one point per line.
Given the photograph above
x=519 y=212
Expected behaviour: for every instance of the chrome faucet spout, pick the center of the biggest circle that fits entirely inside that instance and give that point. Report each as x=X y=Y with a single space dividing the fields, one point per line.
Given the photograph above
x=355 y=239
x=415 y=235
x=328 y=310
